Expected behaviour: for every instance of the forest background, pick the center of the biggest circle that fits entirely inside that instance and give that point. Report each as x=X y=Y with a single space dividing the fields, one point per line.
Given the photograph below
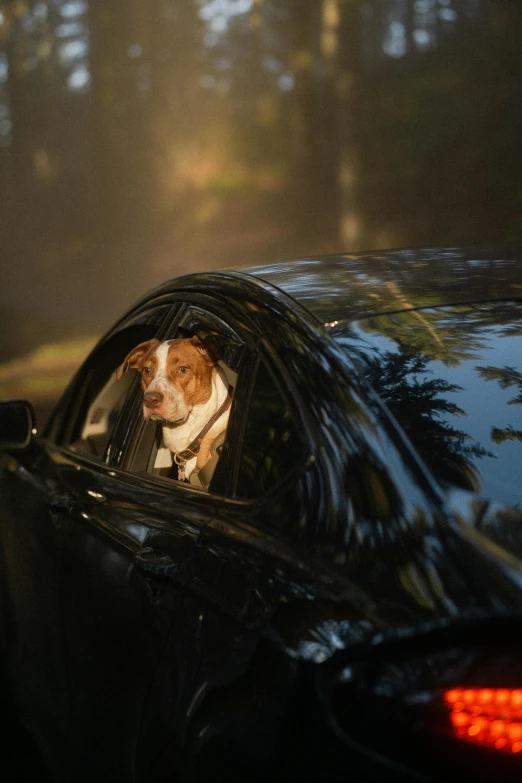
x=142 y=139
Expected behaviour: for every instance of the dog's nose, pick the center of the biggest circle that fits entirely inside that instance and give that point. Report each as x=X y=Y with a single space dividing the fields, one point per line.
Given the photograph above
x=153 y=399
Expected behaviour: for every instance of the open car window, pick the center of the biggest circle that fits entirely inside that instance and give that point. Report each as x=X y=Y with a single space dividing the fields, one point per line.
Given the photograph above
x=149 y=453
x=95 y=400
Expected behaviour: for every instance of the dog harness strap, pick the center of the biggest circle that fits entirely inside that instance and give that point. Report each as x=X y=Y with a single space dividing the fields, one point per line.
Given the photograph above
x=192 y=450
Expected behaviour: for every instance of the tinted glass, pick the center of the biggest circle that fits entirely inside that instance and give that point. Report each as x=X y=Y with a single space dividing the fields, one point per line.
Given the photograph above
x=452 y=377
x=272 y=446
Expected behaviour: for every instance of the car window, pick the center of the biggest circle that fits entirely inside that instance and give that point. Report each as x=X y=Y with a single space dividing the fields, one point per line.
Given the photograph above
x=452 y=378
x=96 y=398
x=151 y=452
x=272 y=444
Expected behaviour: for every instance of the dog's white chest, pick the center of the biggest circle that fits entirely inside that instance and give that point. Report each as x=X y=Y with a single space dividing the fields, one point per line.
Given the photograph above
x=177 y=440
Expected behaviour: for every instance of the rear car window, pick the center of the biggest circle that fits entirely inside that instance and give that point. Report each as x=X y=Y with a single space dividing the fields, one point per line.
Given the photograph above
x=452 y=377
x=272 y=442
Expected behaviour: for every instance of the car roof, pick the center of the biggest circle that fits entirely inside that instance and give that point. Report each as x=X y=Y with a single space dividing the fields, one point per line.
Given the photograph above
x=350 y=286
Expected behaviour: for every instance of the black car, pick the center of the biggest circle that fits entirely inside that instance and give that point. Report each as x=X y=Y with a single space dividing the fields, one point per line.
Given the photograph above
x=344 y=600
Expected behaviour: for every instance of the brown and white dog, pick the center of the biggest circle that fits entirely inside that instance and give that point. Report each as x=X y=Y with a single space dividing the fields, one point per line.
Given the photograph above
x=185 y=389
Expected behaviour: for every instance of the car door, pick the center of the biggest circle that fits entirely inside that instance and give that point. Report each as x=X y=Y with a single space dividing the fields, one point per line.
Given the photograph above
x=127 y=569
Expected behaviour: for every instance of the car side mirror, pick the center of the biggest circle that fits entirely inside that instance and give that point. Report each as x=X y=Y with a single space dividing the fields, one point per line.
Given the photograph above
x=17 y=424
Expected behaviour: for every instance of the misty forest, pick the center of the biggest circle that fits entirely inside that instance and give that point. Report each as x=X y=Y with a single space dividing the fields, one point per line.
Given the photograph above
x=141 y=140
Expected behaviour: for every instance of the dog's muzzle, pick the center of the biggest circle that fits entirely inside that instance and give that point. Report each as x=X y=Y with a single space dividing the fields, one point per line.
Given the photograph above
x=152 y=399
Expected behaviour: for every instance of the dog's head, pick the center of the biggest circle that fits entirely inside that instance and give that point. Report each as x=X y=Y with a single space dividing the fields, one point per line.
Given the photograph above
x=175 y=376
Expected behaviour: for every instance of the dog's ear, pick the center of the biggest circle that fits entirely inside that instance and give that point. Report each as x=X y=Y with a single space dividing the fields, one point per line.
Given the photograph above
x=135 y=356
x=207 y=353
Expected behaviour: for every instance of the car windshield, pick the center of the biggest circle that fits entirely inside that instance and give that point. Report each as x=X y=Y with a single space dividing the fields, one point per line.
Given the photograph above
x=452 y=377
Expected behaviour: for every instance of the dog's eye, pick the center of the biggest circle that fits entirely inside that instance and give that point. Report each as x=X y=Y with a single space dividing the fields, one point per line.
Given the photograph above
x=146 y=371
x=183 y=369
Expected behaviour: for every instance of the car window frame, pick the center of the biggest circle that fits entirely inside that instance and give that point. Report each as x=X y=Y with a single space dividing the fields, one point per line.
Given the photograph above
x=256 y=349
x=131 y=426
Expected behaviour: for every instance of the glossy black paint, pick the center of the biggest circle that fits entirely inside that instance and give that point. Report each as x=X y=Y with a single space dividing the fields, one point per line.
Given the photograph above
x=351 y=286
x=157 y=632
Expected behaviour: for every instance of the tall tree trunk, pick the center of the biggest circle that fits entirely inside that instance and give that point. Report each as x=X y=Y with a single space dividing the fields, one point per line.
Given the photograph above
x=347 y=87
x=410 y=25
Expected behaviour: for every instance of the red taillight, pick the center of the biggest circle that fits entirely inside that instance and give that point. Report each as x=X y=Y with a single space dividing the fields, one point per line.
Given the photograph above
x=491 y=717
